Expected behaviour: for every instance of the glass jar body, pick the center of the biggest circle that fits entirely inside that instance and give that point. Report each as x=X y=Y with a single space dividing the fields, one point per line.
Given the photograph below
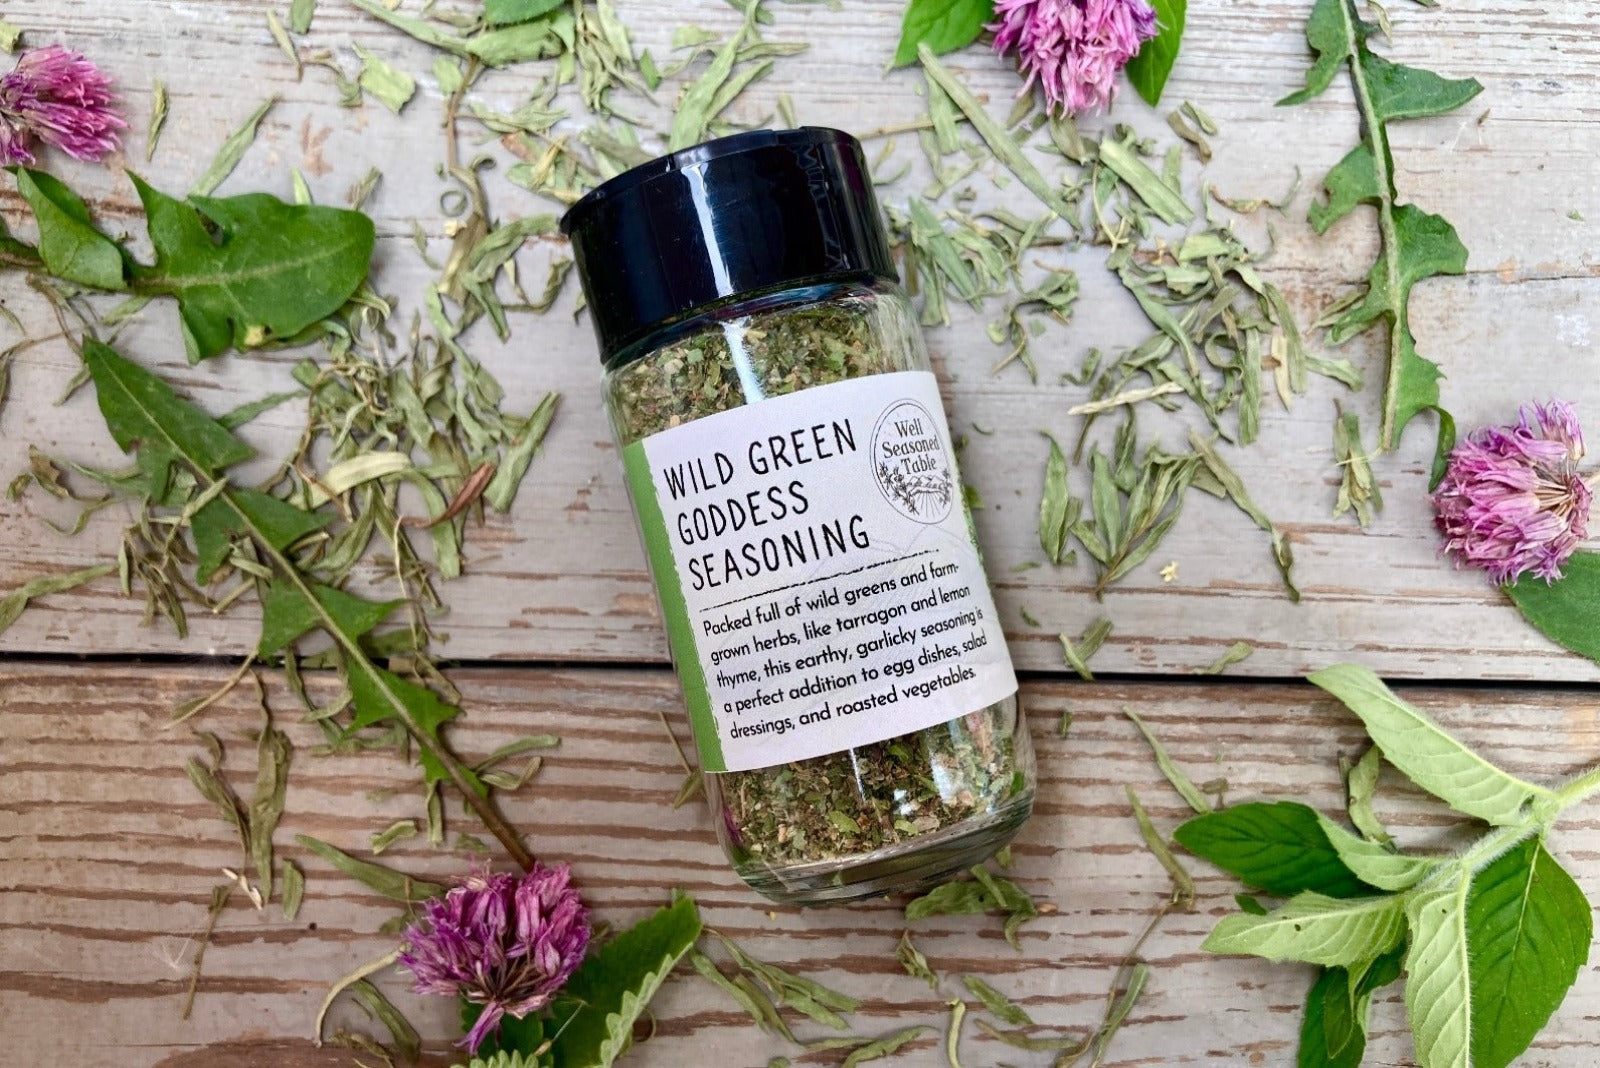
x=893 y=815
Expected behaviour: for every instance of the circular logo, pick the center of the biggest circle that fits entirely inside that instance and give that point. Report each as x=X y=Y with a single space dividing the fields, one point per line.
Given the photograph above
x=911 y=463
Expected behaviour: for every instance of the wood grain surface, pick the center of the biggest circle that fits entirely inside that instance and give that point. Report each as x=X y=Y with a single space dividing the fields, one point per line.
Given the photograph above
x=562 y=578
x=108 y=856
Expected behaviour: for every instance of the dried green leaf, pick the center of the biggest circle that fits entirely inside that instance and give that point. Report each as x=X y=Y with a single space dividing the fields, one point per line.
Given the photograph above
x=392 y=884
x=273 y=752
x=231 y=152
x=159 y=105
x=1161 y=198
x=420 y=29
x=915 y=964
x=293 y=884
x=1175 y=775
x=10 y=35
x=301 y=13
x=1182 y=881
x=404 y=1036
x=887 y=1046
x=14 y=603
x=1282 y=552
x=1236 y=653
x=390 y=87
x=398 y=831
x=694 y=111
x=502 y=489
x=1361 y=783
x=1002 y=1007
x=508 y=12
x=1001 y=143
x=1078 y=654
x=1058 y=509
x=1358 y=486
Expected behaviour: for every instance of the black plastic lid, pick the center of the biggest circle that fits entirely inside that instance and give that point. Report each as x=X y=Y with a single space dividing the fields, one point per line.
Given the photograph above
x=741 y=215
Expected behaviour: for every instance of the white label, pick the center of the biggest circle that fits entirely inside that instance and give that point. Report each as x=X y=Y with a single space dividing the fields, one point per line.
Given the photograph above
x=818 y=572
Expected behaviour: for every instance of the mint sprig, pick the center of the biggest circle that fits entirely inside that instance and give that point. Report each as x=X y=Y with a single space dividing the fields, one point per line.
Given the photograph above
x=1491 y=938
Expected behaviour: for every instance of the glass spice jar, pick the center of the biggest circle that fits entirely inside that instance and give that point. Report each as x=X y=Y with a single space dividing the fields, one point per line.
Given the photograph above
x=795 y=484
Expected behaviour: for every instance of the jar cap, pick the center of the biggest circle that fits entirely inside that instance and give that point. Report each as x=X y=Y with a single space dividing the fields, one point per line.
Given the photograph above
x=738 y=216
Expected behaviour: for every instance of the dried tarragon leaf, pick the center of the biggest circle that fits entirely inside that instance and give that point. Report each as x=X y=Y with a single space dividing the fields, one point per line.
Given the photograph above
x=232 y=151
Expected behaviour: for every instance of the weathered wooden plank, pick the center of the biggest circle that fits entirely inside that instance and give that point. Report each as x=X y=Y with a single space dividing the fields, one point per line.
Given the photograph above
x=563 y=578
x=107 y=857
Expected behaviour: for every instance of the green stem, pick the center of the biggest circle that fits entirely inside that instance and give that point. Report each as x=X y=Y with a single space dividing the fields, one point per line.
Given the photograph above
x=358 y=660
x=1580 y=789
x=1389 y=236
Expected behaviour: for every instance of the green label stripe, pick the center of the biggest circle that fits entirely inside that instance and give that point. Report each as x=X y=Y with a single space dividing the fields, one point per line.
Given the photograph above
x=680 y=633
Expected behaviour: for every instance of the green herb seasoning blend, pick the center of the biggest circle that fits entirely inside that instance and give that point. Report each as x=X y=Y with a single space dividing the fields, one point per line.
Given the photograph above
x=852 y=698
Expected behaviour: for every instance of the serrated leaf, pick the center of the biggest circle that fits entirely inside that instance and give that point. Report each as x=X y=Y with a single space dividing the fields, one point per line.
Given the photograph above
x=1374 y=864
x=281 y=523
x=1353 y=181
x=942 y=25
x=143 y=413
x=1279 y=847
x=378 y=695
x=609 y=992
x=1401 y=92
x=1564 y=609
x=1528 y=932
x=508 y=12
x=1425 y=753
x=250 y=269
x=1325 y=33
x=287 y=614
x=1316 y=930
x=1413 y=244
x=1438 y=998
x=1148 y=70
x=69 y=244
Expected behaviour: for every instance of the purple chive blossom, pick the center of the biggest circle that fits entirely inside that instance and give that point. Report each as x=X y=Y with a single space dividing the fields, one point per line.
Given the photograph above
x=1073 y=48
x=506 y=942
x=1511 y=501
x=57 y=96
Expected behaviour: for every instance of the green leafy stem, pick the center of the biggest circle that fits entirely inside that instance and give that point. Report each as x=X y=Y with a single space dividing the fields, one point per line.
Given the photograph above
x=1415 y=245
x=146 y=416
x=1491 y=939
x=246 y=270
